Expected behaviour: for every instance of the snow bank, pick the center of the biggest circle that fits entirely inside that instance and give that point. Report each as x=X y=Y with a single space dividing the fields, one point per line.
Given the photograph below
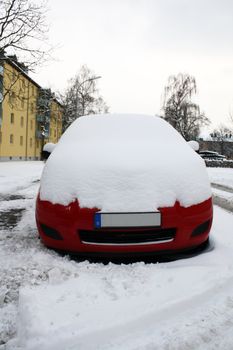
x=124 y=163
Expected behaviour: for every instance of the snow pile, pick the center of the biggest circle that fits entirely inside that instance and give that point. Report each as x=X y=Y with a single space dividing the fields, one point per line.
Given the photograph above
x=124 y=163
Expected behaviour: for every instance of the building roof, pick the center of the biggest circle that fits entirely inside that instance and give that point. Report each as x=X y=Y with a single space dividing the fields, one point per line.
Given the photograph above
x=14 y=64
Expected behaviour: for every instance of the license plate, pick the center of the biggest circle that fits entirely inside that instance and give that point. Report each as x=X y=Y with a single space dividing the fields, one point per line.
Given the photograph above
x=150 y=219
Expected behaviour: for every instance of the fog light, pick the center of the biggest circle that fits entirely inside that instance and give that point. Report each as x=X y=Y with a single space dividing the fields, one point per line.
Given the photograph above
x=50 y=232
x=199 y=230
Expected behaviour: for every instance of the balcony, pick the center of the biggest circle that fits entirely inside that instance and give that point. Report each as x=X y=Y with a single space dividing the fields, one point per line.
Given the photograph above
x=40 y=118
x=42 y=134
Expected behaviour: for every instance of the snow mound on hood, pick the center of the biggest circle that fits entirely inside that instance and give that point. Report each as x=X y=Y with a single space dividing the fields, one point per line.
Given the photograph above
x=124 y=163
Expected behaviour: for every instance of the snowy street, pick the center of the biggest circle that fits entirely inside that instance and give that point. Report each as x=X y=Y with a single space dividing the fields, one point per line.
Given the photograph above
x=51 y=302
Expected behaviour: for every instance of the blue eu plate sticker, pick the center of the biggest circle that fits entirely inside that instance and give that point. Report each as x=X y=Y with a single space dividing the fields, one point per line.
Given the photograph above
x=97 y=220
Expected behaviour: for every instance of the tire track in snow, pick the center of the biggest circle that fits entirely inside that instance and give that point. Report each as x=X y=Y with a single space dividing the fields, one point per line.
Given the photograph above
x=12 y=193
x=13 y=206
x=222 y=187
x=223 y=196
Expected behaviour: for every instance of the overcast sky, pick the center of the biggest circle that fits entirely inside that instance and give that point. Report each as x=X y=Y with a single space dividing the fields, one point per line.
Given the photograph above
x=136 y=44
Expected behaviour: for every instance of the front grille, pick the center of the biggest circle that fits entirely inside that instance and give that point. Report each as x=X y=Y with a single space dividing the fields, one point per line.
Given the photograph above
x=127 y=237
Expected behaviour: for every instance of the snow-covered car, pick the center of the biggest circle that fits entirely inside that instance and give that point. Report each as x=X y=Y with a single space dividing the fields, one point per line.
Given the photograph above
x=123 y=184
x=211 y=155
x=47 y=150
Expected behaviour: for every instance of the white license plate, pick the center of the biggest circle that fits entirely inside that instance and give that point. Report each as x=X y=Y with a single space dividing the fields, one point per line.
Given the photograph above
x=151 y=219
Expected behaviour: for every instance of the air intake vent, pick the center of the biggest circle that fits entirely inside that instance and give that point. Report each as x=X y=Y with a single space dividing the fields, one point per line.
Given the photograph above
x=127 y=237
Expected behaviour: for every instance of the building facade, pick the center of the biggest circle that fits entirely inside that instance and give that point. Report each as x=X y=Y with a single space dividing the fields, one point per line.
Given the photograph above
x=29 y=115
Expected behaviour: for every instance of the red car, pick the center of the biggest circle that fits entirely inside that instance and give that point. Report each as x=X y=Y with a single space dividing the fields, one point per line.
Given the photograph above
x=120 y=185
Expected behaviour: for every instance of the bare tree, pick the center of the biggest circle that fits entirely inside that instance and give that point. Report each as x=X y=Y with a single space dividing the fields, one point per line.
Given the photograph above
x=183 y=114
x=82 y=97
x=23 y=30
x=231 y=118
x=222 y=134
x=13 y=83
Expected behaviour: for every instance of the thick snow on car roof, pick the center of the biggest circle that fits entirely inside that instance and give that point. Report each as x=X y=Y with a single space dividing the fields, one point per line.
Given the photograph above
x=124 y=163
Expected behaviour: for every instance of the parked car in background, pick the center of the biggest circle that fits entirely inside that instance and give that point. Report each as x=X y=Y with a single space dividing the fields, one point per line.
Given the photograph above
x=47 y=150
x=120 y=185
x=211 y=155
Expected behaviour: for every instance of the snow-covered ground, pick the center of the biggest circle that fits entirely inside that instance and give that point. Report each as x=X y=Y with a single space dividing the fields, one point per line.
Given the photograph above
x=222 y=186
x=51 y=302
x=221 y=176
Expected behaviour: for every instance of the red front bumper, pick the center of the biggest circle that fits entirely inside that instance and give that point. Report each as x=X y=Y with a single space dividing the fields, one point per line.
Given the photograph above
x=69 y=221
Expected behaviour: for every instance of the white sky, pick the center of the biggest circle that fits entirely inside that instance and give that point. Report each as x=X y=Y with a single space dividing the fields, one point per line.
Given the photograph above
x=136 y=44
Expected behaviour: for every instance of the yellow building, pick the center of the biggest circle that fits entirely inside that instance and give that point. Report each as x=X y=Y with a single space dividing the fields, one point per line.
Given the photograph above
x=29 y=115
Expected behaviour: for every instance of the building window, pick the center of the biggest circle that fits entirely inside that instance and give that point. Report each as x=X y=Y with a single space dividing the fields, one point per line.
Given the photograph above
x=32 y=107
x=37 y=143
x=21 y=140
x=30 y=142
x=21 y=121
x=12 y=97
x=11 y=138
x=23 y=83
x=13 y=77
x=55 y=133
x=31 y=123
x=12 y=118
x=33 y=92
